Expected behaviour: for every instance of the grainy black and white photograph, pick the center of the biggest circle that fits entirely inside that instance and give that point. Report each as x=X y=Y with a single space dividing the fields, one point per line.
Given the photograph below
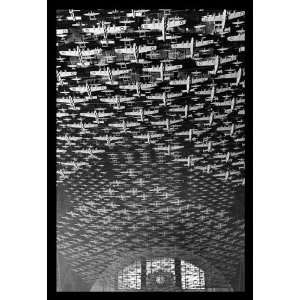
x=150 y=150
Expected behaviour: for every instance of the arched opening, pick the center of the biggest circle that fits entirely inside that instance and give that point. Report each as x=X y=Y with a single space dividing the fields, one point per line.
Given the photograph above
x=162 y=271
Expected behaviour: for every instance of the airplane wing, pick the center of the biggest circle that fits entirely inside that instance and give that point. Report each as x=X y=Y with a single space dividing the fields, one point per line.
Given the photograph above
x=124 y=50
x=173 y=95
x=61 y=114
x=141 y=136
x=99 y=73
x=79 y=164
x=88 y=125
x=175 y=121
x=120 y=72
x=148 y=85
x=100 y=138
x=133 y=113
x=173 y=68
x=181 y=45
x=74 y=125
x=176 y=147
x=182 y=133
x=196 y=158
x=96 y=151
x=62 y=138
x=180 y=159
x=178 y=82
x=74 y=138
x=110 y=101
x=69 y=53
x=125 y=99
x=103 y=115
x=128 y=87
x=67 y=163
x=81 y=151
x=156 y=135
x=158 y=123
x=150 y=112
x=89 y=115
x=63 y=100
x=177 y=109
x=152 y=69
x=161 y=148
x=197 y=80
x=118 y=125
x=80 y=89
x=158 y=97
x=66 y=74
x=80 y=100
x=132 y=124
x=143 y=49
x=115 y=138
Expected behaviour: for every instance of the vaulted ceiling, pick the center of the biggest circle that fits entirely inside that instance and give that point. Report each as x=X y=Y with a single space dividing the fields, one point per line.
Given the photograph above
x=150 y=135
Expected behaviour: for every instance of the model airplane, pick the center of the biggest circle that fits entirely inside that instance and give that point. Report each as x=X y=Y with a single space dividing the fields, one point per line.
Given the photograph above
x=124 y=126
x=68 y=138
x=190 y=161
x=137 y=13
x=235 y=14
x=92 y=15
x=96 y=114
x=109 y=73
x=228 y=59
x=162 y=68
x=91 y=152
x=164 y=25
x=237 y=38
x=142 y=113
x=209 y=118
x=230 y=128
x=164 y=96
x=105 y=29
x=192 y=45
x=211 y=62
x=81 y=53
x=135 y=50
x=117 y=100
x=169 y=149
x=186 y=109
x=149 y=136
x=138 y=87
x=64 y=114
x=63 y=74
x=71 y=101
x=167 y=122
x=74 y=164
x=82 y=126
x=190 y=133
x=215 y=18
x=72 y=16
x=88 y=89
x=188 y=82
x=64 y=173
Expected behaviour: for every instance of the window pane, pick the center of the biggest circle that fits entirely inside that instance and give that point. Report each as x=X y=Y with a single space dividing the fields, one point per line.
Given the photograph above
x=191 y=276
x=130 y=277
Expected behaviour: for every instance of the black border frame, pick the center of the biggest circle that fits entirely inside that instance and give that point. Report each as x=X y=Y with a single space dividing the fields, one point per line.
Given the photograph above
x=51 y=142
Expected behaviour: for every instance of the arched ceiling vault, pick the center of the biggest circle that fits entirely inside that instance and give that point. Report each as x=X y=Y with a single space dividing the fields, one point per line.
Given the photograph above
x=162 y=168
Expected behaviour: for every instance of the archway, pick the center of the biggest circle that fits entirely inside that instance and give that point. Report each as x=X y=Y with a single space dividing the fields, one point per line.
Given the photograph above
x=164 y=276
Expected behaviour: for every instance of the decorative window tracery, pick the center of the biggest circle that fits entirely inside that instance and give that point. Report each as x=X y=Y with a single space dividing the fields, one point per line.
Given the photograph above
x=161 y=274
x=130 y=277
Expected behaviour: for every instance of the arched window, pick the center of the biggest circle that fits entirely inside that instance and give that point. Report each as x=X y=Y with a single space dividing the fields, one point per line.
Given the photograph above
x=161 y=274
